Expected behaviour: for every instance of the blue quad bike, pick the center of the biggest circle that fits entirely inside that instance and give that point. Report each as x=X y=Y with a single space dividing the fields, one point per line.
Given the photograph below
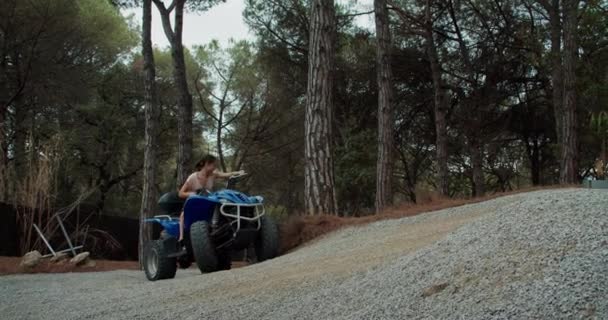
x=215 y=225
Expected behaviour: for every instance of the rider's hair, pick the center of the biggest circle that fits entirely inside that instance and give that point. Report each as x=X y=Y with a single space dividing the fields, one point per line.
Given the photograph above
x=205 y=160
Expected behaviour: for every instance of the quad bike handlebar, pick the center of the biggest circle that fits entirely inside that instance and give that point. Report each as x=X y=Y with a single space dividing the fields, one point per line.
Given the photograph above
x=231 y=183
x=202 y=192
x=239 y=174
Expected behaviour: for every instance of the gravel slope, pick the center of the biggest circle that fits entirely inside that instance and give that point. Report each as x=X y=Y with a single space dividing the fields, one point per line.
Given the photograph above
x=536 y=255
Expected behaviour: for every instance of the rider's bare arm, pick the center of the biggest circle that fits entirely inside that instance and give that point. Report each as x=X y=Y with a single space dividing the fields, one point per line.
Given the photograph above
x=226 y=175
x=186 y=191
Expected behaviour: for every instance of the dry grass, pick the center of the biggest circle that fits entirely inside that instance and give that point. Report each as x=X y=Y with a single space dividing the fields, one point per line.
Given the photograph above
x=300 y=229
x=34 y=199
x=34 y=195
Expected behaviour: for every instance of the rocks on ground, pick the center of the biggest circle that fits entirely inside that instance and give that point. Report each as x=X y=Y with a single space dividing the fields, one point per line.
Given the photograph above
x=81 y=258
x=60 y=257
x=31 y=259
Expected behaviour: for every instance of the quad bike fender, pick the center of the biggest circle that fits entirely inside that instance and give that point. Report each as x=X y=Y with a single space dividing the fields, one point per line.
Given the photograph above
x=198 y=208
x=169 y=224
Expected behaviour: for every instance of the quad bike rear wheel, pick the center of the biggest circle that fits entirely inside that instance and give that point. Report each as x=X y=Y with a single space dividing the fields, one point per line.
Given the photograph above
x=267 y=242
x=157 y=265
x=202 y=247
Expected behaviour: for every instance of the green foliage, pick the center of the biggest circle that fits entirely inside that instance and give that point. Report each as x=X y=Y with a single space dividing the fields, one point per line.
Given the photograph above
x=61 y=46
x=104 y=30
x=356 y=171
x=201 y=5
x=68 y=80
x=232 y=70
x=72 y=69
x=599 y=122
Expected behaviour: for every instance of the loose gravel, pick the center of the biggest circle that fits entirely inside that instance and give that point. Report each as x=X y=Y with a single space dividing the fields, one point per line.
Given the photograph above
x=540 y=255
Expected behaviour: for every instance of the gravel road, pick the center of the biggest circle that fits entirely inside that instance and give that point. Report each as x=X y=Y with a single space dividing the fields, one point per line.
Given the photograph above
x=540 y=255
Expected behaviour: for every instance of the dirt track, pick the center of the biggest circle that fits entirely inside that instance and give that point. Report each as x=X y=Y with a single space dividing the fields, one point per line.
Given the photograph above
x=475 y=261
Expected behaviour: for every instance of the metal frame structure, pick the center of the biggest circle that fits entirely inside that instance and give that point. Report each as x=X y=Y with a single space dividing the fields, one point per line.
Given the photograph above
x=54 y=253
x=238 y=216
x=163 y=216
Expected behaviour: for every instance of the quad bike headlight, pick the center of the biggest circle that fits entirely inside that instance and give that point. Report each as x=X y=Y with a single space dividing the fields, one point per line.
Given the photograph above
x=258 y=199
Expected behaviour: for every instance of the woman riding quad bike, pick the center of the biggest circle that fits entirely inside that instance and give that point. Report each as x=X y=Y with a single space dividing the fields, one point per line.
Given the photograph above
x=212 y=225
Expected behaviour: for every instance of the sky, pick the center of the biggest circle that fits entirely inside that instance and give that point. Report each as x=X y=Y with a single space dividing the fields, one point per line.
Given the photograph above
x=222 y=22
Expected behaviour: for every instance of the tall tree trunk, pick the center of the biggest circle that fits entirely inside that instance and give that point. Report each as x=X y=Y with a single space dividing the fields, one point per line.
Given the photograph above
x=20 y=134
x=569 y=152
x=440 y=105
x=3 y=155
x=553 y=10
x=184 y=101
x=220 y=150
x=319 y=192
x=184 y=120
x=384 y=164
x=533 y=151
x=476 y=151
x=152 y=110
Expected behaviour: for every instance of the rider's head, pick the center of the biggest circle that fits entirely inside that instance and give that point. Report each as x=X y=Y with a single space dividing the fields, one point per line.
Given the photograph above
x=206 y=164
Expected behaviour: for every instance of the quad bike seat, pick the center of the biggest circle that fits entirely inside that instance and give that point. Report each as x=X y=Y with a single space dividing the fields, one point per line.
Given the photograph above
x=171 y=204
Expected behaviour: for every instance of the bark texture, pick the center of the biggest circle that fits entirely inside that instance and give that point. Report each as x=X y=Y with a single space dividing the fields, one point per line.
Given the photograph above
x=184 y=110
x=557 y=69
x=479 y=183
x=319 y=192
x=21 y=135
x=384 y=164
x=440 y=99
x=152 y=111
x=533 y=149
x=3 y=156
x=569 y=150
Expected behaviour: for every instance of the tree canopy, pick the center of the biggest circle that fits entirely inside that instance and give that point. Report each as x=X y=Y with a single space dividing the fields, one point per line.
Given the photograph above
x=72 y=71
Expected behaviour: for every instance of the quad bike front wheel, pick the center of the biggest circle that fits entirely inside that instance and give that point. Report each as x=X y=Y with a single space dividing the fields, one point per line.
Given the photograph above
x=267 y=241
x=157 y=265
x=202 y=247
x=224 y=261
